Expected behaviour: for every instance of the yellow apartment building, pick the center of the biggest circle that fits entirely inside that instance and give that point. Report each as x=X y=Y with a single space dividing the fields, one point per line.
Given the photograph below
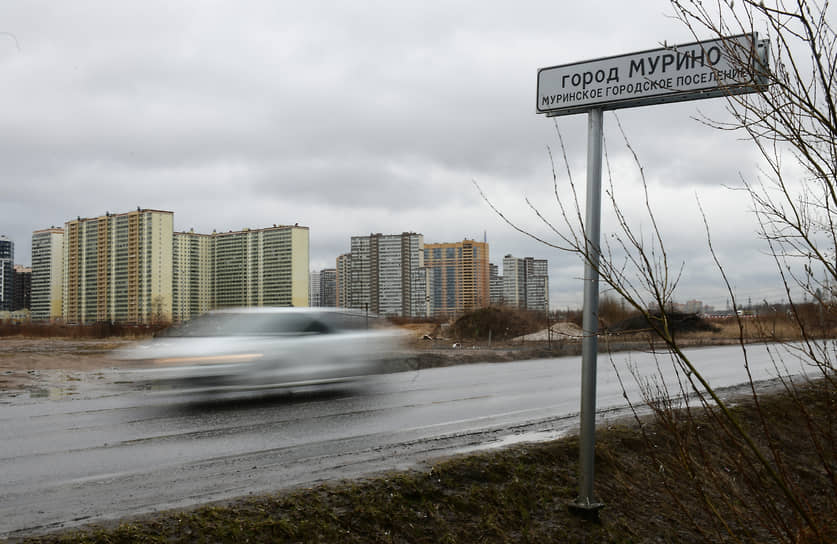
x=458 y=277
x=118 y=267
x=261 y=267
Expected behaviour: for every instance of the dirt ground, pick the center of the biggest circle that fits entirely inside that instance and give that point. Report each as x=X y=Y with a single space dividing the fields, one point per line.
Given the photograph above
x=61 y=364
x=50 y=363
x=38 y=362
x=28 y=364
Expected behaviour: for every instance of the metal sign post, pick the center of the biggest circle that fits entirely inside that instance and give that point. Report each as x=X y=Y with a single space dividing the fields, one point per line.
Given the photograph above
x=590 y=324
x=714 y=68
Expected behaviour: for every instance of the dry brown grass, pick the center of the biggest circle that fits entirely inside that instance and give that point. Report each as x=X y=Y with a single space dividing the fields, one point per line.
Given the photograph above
x=95 y=330
x=762 y=328
x=745 y=328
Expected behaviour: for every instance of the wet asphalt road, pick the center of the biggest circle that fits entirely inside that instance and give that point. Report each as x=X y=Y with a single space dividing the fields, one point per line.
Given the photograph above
x=121 y=450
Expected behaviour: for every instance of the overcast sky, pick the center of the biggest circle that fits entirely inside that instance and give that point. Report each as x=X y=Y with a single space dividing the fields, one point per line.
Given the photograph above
x=351 y=118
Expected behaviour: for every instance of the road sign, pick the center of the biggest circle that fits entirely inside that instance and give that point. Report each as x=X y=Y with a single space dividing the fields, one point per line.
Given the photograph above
x=722 y=67
x=707 y=69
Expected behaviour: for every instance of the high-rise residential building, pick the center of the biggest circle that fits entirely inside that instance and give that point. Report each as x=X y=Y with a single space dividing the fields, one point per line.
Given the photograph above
x=382 y=269
x=360 y=273
x=133 y=268
x=7 y=274
x=343 y=280
x=513 y=282
x=537 y=292
x=422 y=287
x=495 y=285
x=263 y=267
x=459 y=276
x=692 y=307
x=118 y=267
x=47 y=274
x=192 y=274
x=22 y=298
x=328 y=287
x=526 y=283
x=314 y=289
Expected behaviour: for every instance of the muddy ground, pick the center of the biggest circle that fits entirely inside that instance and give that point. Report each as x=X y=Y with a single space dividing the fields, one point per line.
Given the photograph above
x=41 y=364
x=27 y=363
x=45 y=364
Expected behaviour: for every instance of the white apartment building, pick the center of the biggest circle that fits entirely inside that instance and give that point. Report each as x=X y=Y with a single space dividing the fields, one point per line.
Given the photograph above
x=382 y=268
x=314 y=289
x=526 y=283
x=47 y=274
x=495 y=285
x=422 y=287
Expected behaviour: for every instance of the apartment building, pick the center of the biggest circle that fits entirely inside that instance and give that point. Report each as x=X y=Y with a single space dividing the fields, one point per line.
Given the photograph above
x=526 y=283
x=7 y=274
x=261 y=267
x=192 y=274
x=359 y=283
x=314 y=288
x=422 y=303
x=495 y=285
x=22 y=298
x=47 y=274
x=118 y=267
x=343 y=280
x=382 y=269
x=328 y=287
x=458 y=277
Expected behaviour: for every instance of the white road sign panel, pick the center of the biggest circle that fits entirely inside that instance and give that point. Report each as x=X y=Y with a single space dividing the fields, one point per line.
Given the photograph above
x=670 y=74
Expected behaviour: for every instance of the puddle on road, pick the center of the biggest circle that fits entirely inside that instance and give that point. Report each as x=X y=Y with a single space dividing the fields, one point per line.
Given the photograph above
x=518 y=438
x=40 y=385
x=52 y=393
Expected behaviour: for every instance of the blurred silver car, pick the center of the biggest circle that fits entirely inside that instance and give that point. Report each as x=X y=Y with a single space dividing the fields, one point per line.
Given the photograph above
x=265 y=347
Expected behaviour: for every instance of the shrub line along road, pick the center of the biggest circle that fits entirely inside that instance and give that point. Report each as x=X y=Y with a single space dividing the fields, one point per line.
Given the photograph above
x=123 y=450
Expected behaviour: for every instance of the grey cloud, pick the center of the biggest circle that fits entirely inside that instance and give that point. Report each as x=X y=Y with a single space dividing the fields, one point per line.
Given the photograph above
x=350 y=118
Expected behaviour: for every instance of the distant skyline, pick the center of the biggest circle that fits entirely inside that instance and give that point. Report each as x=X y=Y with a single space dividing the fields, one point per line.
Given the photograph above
x=354 y=119
x=332 y=266
x=496 y=259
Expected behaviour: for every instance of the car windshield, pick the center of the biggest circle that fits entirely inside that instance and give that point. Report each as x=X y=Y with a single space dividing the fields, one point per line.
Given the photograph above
x=248 y=324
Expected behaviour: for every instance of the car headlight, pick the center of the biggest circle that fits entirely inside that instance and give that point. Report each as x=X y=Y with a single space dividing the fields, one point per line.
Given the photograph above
x=209 y=359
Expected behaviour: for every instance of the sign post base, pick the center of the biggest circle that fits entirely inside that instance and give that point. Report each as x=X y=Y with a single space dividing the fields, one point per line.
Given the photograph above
x=588 y=511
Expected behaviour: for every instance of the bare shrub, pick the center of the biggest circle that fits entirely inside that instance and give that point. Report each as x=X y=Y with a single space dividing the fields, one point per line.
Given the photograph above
x=501 y=322
x=613 y=310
